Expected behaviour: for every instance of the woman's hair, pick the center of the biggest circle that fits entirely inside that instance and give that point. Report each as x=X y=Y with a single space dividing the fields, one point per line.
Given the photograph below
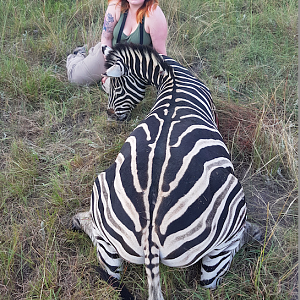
x=143 y=10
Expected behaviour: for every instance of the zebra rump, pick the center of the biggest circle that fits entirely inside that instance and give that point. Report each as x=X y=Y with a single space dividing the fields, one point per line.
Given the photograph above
x=171 y=195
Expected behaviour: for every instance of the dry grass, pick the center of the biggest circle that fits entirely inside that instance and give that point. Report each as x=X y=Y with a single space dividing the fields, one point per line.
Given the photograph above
x=55 y=140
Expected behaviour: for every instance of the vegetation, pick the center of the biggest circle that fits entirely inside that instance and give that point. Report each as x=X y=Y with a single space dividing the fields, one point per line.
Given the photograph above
x=55 y=139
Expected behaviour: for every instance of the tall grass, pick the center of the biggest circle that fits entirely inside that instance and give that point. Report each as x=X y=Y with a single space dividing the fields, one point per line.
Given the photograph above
x=55 y=139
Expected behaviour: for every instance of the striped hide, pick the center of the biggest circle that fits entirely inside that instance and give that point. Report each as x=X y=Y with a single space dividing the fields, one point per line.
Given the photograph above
x=171 y=195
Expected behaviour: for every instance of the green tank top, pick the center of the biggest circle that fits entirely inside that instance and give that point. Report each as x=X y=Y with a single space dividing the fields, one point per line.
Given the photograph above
x=134 y=37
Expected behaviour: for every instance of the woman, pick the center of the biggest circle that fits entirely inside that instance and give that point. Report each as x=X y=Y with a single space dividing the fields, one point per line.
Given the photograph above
x=125 y=21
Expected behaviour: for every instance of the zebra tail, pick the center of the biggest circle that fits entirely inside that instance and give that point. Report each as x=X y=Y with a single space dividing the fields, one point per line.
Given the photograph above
x=152 y=271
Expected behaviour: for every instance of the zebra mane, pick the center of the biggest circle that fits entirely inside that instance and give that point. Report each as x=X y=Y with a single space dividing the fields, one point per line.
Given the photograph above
x=118 y=49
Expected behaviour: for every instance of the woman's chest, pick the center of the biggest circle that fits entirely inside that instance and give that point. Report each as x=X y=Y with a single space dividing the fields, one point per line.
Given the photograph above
x=130 y=26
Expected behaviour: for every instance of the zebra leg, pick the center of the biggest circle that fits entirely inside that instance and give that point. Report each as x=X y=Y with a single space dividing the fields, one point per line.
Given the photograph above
x=109 y=258
x=216 y=263
x=107 y=255
x=83 y=221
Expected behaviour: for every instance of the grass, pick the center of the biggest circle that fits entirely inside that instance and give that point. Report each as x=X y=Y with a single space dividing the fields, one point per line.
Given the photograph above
x=55 y=139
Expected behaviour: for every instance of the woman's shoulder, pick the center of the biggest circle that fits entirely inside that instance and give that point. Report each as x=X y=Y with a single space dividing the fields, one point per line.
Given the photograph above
x=113 y=2
x=156 y=13
x=114 y=8
x=156 y=16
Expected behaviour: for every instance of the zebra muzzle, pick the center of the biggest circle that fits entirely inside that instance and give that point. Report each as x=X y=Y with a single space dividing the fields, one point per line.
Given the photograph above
x=112 y=116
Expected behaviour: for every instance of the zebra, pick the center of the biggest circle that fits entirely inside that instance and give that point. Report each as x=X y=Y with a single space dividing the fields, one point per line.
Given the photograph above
x=171 y=195
x=122 y=101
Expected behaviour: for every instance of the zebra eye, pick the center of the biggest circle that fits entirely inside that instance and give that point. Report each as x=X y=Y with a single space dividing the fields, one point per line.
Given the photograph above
x=125 y=70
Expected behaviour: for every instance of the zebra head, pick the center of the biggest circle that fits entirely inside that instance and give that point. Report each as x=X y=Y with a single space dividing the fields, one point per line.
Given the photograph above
x=130 y=69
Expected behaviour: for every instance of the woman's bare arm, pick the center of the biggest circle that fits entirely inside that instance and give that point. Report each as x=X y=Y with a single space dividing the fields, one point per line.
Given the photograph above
x=110 y=21
x=157 y=25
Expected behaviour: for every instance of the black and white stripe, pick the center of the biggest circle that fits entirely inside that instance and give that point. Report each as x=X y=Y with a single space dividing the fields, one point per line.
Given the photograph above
x=171 y=196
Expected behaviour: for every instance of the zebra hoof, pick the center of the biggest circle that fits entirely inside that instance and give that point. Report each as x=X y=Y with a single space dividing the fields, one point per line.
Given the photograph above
x=76 y=224
x=254 y=232
x=258 y=235
x=115 y=283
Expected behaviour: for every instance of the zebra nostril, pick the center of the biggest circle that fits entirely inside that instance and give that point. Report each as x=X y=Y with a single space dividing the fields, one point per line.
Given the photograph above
x=111 y=112
x=111 y=115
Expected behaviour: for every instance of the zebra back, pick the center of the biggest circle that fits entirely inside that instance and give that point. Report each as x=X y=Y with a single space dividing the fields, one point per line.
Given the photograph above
x=171 y=195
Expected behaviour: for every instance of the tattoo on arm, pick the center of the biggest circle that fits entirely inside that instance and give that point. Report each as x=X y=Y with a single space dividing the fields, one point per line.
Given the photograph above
x=108 y=20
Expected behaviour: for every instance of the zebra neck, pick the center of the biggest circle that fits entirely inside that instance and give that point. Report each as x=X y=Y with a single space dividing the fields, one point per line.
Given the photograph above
x=164 y=83
x=157 y=73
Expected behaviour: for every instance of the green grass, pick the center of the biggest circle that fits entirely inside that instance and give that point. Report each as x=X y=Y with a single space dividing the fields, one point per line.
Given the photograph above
x=55 y=139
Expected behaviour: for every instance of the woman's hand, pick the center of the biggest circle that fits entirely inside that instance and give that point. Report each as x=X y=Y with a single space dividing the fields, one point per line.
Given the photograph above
x=103 y=79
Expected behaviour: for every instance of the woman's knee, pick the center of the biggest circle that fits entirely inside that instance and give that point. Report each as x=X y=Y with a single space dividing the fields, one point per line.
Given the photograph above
x=86 y=70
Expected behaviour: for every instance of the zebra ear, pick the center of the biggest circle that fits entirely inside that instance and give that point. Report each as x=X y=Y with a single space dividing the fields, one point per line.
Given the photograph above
x=114 y=71
x=162 y=72
x=105 y=50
